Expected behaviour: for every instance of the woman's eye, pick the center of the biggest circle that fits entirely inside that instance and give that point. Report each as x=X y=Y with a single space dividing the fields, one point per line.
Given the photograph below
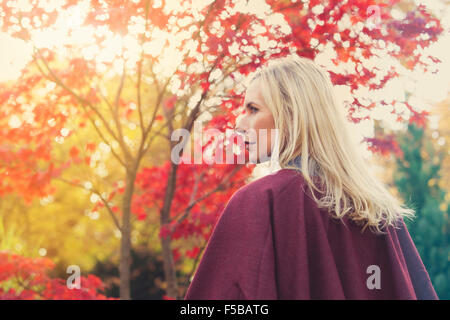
x=252 y=109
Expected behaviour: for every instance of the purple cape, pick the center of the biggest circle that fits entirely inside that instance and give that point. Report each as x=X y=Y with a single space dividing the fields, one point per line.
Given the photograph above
x=273 y=242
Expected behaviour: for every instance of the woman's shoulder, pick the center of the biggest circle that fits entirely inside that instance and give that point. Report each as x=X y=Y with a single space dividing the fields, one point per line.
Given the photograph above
x=271 y=184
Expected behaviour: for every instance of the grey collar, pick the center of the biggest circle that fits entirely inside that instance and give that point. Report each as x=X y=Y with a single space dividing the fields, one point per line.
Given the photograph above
x=296 y=162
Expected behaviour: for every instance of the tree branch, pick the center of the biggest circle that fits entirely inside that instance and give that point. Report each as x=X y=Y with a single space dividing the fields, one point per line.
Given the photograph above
x=115 y=113
x=220 y=186
x=95 y=191
x=53 y=77
x=139 y=80
x=161 y=92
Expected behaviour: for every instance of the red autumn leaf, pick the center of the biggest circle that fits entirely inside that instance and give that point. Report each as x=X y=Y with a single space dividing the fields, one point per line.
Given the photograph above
x=111 y=195
x=205 y=86
x=90 y=146
x=74 y=151
x=193 y=253
x=176 y=254
x=170 y=103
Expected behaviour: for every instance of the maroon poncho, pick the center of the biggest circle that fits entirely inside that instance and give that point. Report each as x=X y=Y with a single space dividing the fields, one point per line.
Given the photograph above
x=272 y=242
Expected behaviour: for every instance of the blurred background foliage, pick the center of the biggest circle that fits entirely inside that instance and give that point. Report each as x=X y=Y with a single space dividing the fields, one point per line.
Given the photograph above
x=421 y=176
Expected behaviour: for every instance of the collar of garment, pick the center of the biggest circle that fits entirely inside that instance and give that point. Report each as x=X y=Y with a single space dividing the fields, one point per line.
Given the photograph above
x=296 y=162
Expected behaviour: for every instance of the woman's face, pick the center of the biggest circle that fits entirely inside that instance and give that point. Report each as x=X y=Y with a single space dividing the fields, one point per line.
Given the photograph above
x=256 y=117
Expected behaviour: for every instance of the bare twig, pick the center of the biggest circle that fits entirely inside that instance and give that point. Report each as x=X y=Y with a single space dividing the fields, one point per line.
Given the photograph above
x=220 y=186
x=53 y=77
x=141 y=61
x=95 y=191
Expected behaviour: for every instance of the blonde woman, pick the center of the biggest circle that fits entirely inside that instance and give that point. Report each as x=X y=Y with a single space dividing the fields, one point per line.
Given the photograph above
x=322 y=226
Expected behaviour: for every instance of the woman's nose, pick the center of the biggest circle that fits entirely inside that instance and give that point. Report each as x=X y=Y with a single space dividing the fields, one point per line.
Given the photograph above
x=239 y=127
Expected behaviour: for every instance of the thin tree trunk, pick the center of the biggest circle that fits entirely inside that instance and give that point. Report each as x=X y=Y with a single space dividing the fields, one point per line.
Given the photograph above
x=169 y=265
x=125 y=243
x=169 y=268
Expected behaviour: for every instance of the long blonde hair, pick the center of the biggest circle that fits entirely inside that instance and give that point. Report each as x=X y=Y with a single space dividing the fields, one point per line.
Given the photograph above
x=311 y=124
